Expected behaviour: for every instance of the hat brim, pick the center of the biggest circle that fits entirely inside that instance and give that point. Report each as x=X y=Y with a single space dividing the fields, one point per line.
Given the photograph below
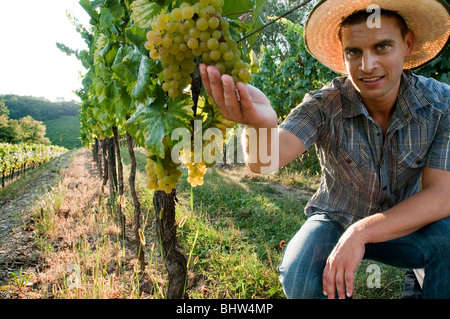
x=429 y=19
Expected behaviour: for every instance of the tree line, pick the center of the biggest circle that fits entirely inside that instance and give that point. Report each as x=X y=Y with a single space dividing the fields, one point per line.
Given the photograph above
x=38 y=108
x=25 y=130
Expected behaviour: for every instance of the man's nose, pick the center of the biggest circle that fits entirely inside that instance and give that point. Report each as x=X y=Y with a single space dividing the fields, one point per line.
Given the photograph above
x=368 y=63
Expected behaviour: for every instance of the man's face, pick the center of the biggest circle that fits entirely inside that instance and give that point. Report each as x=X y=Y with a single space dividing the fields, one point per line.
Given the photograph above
x=374 y=58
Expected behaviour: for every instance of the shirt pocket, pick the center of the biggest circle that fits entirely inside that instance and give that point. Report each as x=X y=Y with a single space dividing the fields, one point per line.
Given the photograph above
x=354 y=164
x=409 y=163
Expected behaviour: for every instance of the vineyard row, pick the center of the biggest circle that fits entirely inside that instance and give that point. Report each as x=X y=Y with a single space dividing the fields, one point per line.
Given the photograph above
x=15 y=159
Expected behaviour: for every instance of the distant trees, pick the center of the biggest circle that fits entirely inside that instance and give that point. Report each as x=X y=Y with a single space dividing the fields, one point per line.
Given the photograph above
x=38 y=108
x=25 y=130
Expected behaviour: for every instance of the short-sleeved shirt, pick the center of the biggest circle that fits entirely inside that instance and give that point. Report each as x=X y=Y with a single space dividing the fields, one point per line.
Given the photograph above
x=364 y=172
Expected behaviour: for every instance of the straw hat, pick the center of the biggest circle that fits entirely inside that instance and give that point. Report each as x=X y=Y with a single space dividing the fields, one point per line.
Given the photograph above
x=429 y=19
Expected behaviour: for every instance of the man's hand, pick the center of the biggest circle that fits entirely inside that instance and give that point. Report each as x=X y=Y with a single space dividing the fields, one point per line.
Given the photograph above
x=341 y=265
x=239 y=103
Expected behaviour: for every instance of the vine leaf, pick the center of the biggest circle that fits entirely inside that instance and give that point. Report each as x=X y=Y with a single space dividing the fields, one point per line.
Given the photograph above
x=153 y=120
x=143 y=12
x=144 y=78
x=86 y=4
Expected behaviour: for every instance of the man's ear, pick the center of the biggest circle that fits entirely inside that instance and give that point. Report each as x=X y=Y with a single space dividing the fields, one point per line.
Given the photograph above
x=409 y=42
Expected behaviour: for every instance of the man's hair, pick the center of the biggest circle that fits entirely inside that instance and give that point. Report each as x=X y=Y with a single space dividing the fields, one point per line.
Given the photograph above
x=362 y=16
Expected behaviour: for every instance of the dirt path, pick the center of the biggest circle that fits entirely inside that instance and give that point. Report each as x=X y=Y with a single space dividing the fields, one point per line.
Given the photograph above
x=17 y=245
x=18 y=248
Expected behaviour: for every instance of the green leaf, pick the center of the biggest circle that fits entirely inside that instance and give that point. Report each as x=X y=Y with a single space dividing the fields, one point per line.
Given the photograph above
x=153 y=121
x=86 y=4
x=146 y=71
x=137 y=36
x=111 y=90
x=106 y=22
x=116 y=8
x=233 y=8
x=126 y=65
x=143 y=12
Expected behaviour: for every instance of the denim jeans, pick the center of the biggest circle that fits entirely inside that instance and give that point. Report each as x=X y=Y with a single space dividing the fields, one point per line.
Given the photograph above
x=306 y=254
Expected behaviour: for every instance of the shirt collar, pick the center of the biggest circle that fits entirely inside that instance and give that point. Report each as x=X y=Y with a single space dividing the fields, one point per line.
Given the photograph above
x=354 y=106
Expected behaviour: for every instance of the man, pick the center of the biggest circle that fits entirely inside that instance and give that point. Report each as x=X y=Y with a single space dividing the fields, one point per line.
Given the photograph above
x=377 y=132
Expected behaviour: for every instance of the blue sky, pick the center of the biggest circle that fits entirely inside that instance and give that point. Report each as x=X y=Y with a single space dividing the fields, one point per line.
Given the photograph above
x=30 y=62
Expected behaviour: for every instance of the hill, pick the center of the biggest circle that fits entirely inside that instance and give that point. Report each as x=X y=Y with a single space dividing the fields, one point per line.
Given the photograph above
x=64 y=131
x=38 y=108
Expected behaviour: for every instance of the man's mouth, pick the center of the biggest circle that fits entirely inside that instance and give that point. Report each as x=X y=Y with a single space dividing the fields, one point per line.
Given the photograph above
x=371 y=80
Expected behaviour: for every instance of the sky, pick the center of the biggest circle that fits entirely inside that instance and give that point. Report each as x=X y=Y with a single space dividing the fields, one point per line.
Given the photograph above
x=30 y=62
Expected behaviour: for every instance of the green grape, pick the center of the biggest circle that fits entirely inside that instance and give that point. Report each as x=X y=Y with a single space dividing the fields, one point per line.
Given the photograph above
x=228 y=56
x=154 y=54
x=149 y=45
x=157 y=40
x=194 y=32
x=151 y=34
x=216 y=34
x=162 y=175
x=215 y=55
x=202 y=24
x=167 y=42
x=192 y=43
x=213 y=22
x=204 y=36
x=213 y=44
x=176 y=14
x=187 y=12
x=179 y=57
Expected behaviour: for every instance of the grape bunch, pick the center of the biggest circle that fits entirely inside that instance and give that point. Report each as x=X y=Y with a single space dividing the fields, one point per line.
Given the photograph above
x=162 y=175
x=189 y=32
x=196 y=171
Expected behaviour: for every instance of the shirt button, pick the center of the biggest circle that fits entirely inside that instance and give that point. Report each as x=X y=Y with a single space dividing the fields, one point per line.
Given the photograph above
x=379 y=134
x=385 y=187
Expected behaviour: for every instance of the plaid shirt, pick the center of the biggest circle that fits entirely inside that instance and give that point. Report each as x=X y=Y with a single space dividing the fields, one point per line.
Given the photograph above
x=363 y=172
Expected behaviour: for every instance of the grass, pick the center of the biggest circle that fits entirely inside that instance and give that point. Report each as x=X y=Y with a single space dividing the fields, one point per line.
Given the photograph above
x=64 y=131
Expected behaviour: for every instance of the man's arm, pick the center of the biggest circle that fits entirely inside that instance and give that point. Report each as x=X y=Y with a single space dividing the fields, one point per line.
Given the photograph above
x=246 y=104
x=425 y=207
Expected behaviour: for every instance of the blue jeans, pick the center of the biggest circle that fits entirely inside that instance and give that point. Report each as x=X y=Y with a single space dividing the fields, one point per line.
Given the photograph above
x=306 y=255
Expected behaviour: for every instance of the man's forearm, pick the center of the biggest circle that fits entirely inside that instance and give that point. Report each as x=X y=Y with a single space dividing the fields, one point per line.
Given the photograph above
x=267 y=150
x=421 y=209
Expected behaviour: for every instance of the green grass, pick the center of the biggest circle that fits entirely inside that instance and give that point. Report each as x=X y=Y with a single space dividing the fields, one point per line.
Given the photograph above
x=64 y=131
x=234 y=232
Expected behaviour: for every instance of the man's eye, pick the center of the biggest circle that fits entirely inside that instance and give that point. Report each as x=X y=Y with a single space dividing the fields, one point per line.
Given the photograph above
x=352 y=52
x=383 y=47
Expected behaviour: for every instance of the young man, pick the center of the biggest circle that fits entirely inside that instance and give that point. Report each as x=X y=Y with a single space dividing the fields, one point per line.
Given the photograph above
x=377 y=131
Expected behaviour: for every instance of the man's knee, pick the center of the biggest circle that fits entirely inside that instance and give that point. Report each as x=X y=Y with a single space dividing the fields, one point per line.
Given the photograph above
x=300 y=284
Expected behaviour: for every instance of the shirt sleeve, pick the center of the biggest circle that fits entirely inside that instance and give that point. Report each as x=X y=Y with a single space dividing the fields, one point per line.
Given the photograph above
x=305 y=120
x=439 y=154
